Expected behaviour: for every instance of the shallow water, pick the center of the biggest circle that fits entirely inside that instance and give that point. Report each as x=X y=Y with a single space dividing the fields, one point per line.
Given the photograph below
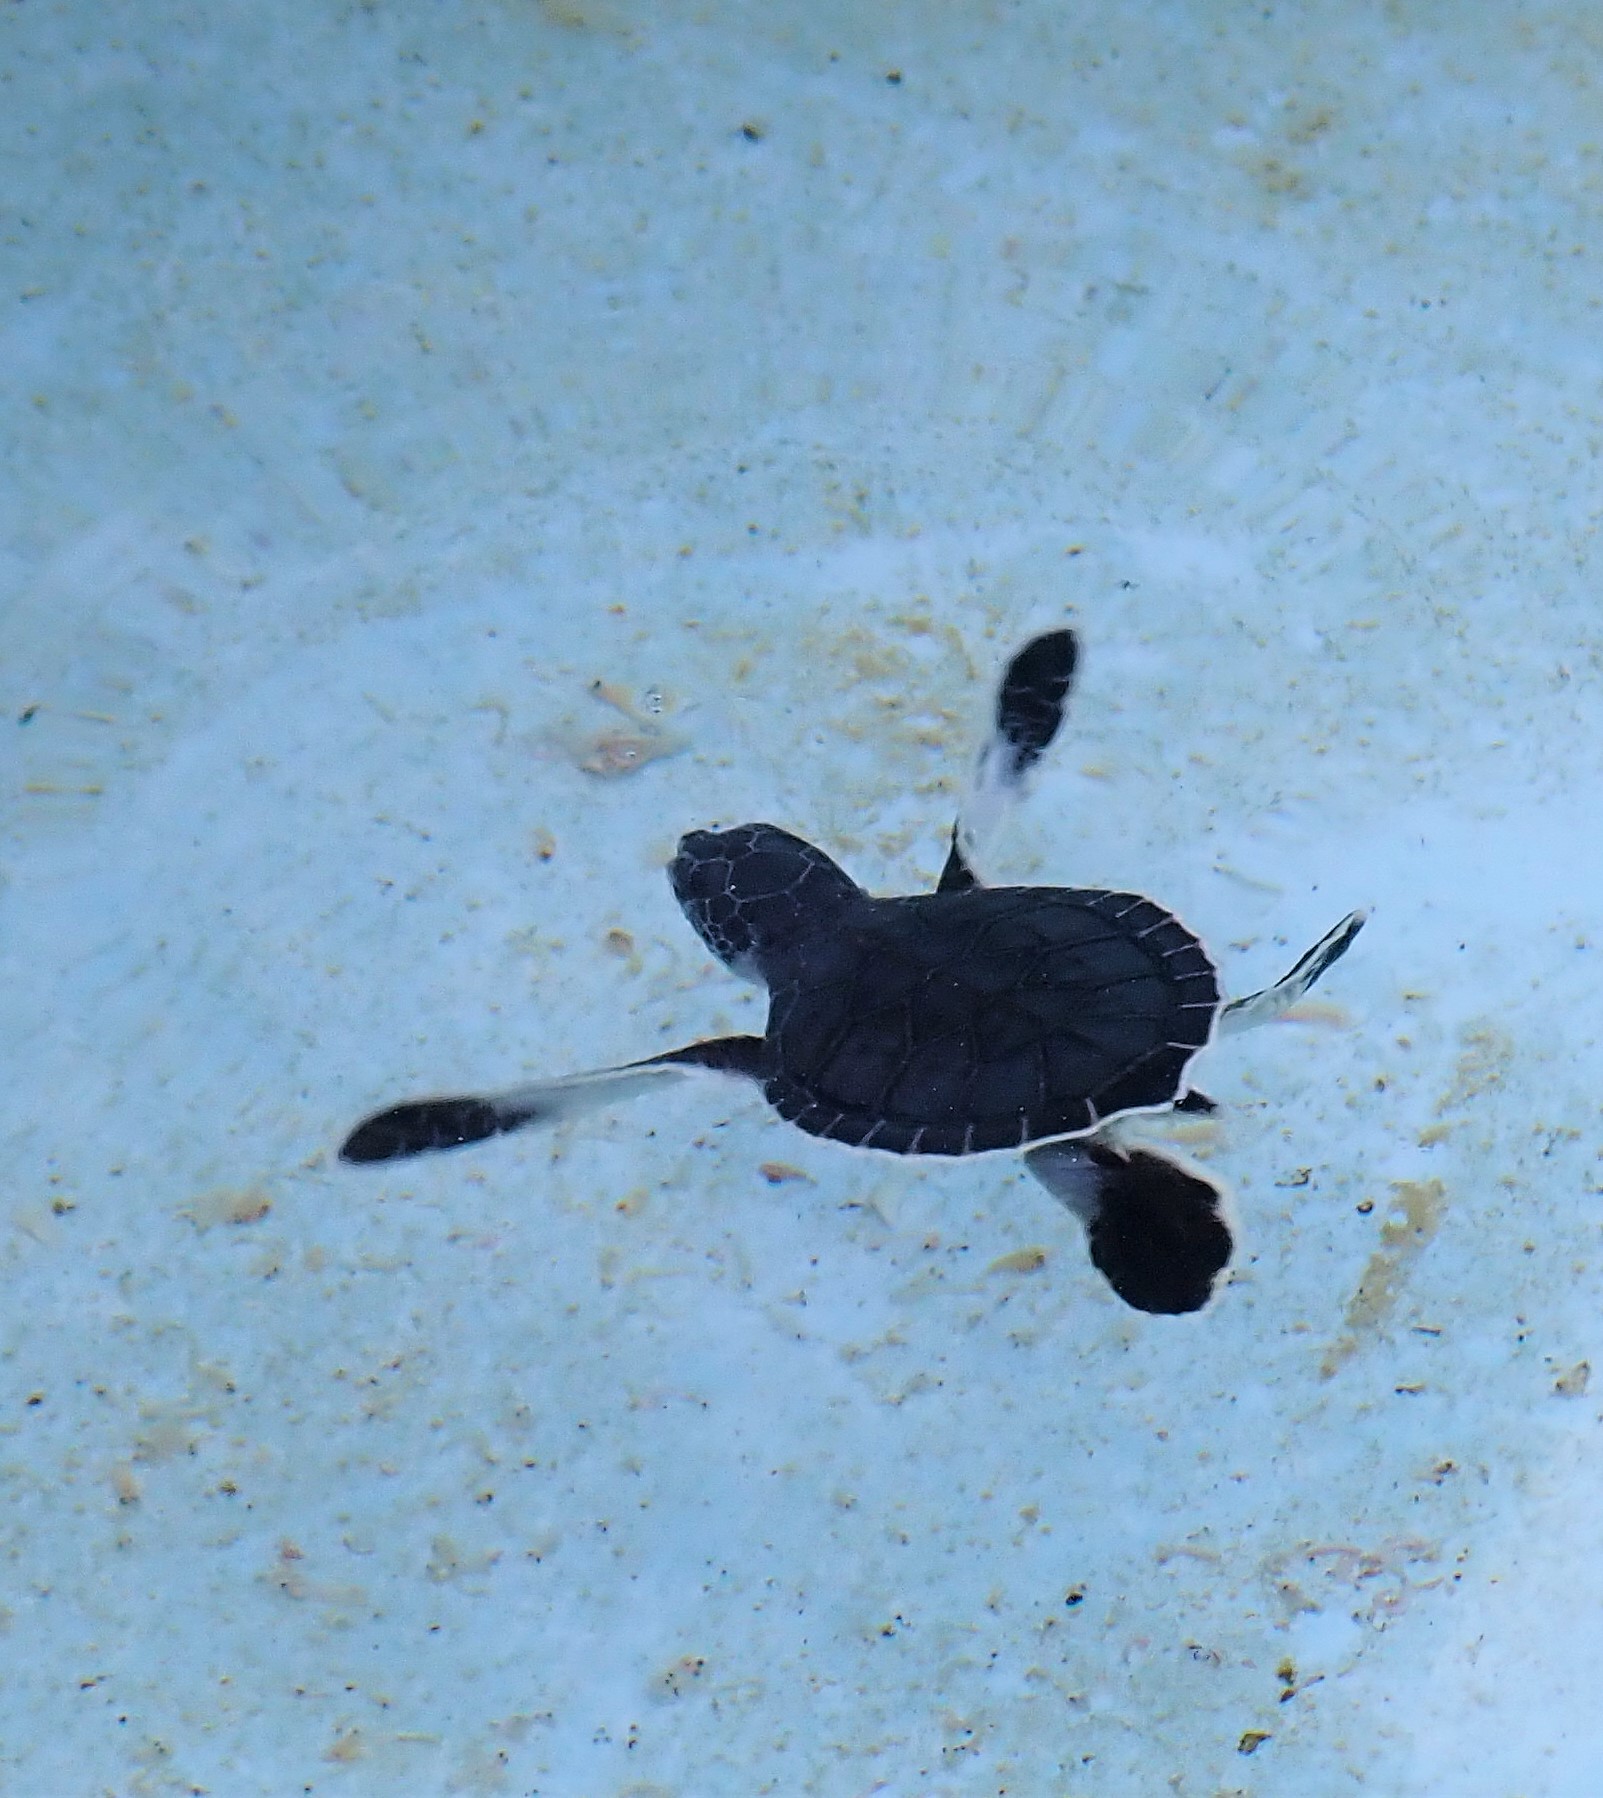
x=447 y=455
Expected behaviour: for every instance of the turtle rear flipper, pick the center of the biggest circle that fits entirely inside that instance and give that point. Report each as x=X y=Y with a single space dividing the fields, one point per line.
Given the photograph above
x=1155 y=1223
x=1275 y=1001
x=421 y=1126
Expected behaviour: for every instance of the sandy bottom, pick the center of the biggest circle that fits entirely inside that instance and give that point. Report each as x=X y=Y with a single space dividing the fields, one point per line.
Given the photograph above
x=447 y=454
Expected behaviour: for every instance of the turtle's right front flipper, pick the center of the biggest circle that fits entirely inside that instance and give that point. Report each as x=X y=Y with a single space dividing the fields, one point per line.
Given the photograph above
x=1030 y=704
x=421 y=1126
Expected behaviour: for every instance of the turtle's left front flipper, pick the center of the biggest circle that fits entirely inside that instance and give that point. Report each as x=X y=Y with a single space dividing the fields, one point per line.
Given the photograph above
x=423 y=1125
x=1156 y=1223
x=1030 y=703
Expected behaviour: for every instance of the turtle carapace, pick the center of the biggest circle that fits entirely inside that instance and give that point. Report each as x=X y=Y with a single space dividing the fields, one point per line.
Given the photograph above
x=967 y=1020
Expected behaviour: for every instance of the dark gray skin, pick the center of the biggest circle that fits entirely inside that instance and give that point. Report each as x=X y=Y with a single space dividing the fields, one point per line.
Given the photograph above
x=956 y=1022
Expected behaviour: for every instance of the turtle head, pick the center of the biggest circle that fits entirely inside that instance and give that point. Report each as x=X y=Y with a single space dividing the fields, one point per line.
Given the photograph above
x=754 y=891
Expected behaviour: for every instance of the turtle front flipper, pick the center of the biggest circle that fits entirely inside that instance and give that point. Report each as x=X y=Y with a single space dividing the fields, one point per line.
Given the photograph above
x=1030 y=703
x=421 y=1126
x=1155 y=1223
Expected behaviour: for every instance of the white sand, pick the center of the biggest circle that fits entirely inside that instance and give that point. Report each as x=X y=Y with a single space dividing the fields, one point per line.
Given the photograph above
x=375 y=380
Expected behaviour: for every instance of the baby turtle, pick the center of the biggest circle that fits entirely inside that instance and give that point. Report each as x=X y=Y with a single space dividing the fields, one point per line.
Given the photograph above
x=959 y=1022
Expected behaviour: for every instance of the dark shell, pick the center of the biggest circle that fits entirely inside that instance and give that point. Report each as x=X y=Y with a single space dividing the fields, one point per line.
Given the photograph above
x=950 y=1023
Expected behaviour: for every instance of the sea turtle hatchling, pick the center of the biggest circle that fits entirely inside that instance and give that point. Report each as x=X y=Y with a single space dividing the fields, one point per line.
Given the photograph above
x=959 y=1022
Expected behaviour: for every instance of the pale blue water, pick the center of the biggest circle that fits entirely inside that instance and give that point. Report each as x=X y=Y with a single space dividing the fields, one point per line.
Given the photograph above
x=379 y=380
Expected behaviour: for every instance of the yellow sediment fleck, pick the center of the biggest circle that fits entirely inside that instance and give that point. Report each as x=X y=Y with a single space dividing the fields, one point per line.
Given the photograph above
x=1021 y=1261
x=346 y=1746
x=614 y=752
x=680 y=1676
x=617 y=698
x=1487 y=1052
x=1322 y=1012
x=1239 y=875
x=227 y=1205
x=621 y=944
x=1166 y=1552
x=1574 y=1380
x=166 y=1434
x=286 y=1576
x=611 y=753
x=1417 y=1210
x=776 y=1173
